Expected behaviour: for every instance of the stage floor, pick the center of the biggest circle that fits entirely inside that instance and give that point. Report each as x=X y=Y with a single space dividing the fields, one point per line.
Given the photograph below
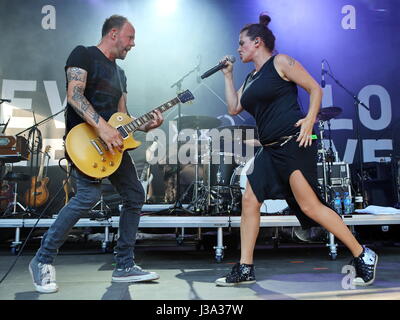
x=295 y=271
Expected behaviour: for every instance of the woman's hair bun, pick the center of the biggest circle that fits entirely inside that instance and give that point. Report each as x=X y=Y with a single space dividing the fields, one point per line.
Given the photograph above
x=265 y=19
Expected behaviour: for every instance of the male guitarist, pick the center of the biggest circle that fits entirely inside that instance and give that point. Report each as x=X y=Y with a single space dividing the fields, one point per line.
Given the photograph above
x=96 y=88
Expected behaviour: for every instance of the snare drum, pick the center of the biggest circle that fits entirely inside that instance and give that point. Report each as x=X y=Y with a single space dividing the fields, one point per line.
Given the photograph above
x=239 y=180
x=222 y=168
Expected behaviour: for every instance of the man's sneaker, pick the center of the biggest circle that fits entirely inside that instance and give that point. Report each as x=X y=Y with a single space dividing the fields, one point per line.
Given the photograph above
x=133 y=274
x=240 y=274
x=365 y=266
x=44 y=276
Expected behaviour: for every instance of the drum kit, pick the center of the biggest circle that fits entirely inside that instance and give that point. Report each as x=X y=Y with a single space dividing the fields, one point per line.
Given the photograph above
x=220 y=172
x=218 y=189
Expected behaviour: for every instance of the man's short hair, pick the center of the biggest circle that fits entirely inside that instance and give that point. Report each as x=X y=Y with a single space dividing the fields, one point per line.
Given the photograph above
x=115 y=21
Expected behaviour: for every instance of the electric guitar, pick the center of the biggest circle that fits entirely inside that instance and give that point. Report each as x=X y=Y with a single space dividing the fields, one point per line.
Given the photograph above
x=37 y=195
x=90 y=154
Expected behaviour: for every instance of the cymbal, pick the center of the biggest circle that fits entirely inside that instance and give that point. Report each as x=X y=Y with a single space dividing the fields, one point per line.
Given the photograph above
x=199 y=122
x=328 y=113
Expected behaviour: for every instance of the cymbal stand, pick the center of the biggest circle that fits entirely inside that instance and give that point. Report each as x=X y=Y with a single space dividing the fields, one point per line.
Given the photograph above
x=357 y=104
x=177 y=206
x=196 y=173
x=203 y=201
x=325 y=168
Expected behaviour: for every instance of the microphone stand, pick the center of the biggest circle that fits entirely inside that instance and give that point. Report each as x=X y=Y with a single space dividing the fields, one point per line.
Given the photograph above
x=177 y=206
x=41 y=122
x=357 y=104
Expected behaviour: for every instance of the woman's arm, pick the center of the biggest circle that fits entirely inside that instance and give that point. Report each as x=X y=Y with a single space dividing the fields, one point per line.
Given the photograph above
x=291 y=70
x=231 y=95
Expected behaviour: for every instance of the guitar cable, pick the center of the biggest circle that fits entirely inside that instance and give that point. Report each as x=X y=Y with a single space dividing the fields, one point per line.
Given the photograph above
x=34 y=226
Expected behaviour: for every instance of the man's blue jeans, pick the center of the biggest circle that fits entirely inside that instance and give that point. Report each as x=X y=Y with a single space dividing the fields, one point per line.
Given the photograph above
x=126 y=182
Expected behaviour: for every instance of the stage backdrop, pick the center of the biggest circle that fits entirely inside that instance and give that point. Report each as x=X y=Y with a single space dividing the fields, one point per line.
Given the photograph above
x=180 y=39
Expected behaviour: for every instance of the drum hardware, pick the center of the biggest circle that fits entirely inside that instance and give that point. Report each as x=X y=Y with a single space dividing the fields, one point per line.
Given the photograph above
x=223 y=199
x=396 y=179
x=326 y=162
x=15 y=177
x=328 y=113
x=201 y=187
x=313 y=234
x=199 y=122
x=238 y=187
x=100 y=211
x=357 y=105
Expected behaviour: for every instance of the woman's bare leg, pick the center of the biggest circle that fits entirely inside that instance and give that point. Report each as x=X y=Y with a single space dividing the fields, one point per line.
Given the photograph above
x=250 y=225
x=323 y=215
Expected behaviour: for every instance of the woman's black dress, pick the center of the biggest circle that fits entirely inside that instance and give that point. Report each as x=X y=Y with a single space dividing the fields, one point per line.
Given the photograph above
x=272 y=101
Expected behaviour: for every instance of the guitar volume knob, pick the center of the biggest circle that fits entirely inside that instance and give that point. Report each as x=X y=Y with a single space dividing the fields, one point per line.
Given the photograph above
x=111 y=163
x=103 y=169
x=94 y=165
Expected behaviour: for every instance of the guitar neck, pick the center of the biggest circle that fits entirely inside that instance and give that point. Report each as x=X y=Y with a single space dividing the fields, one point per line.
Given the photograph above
x=40 y=174
x=138 y=122
x=44 y=154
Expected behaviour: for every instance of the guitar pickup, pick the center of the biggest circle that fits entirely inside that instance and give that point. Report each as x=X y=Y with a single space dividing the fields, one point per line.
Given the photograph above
x=96 y=146
x=124 y=134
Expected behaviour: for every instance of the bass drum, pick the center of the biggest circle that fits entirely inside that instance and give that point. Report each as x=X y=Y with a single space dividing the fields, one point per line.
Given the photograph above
x=239 y=181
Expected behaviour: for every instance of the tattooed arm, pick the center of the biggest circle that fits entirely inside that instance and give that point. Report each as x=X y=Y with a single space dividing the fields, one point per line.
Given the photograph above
x=76 y=87
x=76 y=78
x=291 y=70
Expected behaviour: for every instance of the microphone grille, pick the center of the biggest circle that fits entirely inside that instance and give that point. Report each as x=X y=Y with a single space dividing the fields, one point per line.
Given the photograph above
x=231 y=58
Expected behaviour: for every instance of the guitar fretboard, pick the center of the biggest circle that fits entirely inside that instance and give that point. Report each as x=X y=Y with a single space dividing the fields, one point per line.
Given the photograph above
x=137 y=123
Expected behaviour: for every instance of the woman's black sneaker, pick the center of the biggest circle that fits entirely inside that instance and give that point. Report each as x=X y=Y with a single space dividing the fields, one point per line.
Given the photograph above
x=240 y=274
x=365 y=265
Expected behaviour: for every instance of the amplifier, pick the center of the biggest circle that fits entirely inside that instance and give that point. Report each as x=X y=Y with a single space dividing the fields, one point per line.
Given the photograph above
x=338 y=176
x=13 y=149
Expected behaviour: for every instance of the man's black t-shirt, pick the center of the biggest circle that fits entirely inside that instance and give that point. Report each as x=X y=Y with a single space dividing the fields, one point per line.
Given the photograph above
x=104 y=83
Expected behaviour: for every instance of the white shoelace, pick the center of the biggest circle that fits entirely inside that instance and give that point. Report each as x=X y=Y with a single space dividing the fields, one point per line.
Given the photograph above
x=135 y=266
x=48 y=274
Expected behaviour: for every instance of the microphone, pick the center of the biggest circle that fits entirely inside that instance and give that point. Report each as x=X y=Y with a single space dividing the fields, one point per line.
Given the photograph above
x=322 y=74
x=218 y=67
x=5 y=127
x=5 y=100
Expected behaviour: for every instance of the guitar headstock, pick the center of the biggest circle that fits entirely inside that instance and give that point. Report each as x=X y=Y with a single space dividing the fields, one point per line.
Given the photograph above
x=185 y=96
x=47 y=149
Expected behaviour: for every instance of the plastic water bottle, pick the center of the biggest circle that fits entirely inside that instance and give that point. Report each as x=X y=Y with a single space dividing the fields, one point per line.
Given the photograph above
x=347 y=204
x=337 y=203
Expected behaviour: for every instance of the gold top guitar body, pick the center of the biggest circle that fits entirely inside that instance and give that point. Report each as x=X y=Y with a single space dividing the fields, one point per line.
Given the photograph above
x=91 y=155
